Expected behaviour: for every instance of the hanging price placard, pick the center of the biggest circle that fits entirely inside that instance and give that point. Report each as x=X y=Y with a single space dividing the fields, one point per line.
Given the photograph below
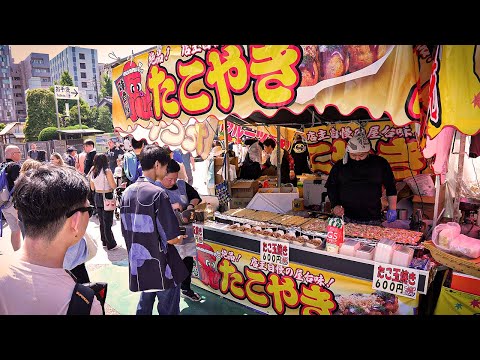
x=274 y=253
x=394 y=279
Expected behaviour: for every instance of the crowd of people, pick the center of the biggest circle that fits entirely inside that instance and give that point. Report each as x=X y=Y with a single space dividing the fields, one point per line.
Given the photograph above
x=72 y=186
x=47 y=206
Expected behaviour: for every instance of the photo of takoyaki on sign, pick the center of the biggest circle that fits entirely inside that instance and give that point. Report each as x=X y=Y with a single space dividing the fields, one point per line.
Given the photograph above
x=327 y=65
x=378 y=303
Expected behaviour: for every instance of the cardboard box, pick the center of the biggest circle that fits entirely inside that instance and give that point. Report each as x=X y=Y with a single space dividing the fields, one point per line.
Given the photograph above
x=429 y=204
x=217 y=165
x=283 y=190
x=239 y=203
x=466 y=283
x=313 y=190
x=244 y=189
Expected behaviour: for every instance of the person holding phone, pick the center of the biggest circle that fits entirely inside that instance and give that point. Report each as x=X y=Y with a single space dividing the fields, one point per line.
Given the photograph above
x=183 y=197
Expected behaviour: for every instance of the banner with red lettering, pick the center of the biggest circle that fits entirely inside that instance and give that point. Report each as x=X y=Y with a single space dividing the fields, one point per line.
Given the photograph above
x=162 y=94
x=269 y=282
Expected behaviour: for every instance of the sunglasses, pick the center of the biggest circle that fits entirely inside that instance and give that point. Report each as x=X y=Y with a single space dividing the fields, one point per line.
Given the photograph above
x=89 y=208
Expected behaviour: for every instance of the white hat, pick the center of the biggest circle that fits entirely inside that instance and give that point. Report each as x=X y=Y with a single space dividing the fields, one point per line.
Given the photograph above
x=357 y=144
x=217 y=151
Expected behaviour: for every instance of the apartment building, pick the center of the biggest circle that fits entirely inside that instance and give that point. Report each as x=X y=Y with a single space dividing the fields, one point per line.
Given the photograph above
x=36 y=71
x=82 y=64
x=7 y=105
x=19 y=93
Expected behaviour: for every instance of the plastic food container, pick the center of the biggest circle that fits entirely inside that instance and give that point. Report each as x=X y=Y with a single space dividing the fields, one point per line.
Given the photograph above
x=402 y=255
x=384 y=251
x=349 y=247
x=365 y=252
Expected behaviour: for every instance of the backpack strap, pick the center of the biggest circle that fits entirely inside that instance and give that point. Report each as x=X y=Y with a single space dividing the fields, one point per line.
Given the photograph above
x=81 y=301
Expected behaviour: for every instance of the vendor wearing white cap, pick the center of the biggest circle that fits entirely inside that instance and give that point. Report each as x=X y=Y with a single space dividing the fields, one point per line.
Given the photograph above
x=354 y=185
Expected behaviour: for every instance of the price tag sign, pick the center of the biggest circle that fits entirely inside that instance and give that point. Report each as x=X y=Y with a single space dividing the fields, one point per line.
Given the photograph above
x=198 y=233
x=394 y=279
x=274 y=252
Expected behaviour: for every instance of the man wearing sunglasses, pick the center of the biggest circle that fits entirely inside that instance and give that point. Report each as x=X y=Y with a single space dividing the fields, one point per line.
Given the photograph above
x=52 y=202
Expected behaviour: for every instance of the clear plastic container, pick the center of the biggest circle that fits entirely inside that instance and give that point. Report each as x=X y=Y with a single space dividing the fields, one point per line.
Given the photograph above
x=365 y=252
x=402 y=255
x=384 y=251
x=349 y=247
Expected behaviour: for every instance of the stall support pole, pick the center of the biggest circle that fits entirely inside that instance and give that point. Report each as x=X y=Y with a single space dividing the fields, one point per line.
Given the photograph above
x=437 y=197
x=458 y=178
x=279 y=161
x=227 y=159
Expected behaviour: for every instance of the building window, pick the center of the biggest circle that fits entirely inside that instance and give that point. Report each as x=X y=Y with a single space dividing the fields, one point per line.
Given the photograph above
x=84 y=85
x=83 y=66
x=81 y=56
x=90 y=96
x=83 y=75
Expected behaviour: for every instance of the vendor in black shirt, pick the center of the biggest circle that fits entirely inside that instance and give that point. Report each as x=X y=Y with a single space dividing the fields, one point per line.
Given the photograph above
x=354 y=185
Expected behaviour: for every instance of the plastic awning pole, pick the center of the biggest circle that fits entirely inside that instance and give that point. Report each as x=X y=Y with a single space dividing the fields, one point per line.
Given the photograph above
x=458 y=178
x=279 y=161
x=227 y=159
x=437 y=197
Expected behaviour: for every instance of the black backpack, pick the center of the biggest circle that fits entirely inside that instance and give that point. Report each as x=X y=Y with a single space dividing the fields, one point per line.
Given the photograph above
x=82 y=296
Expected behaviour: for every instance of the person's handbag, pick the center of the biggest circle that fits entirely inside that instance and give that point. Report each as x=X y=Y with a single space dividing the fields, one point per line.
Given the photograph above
x=221 y=190
x=108 y=204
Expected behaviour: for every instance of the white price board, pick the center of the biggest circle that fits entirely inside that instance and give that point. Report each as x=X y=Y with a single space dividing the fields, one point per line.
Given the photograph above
x=274 y=252
x=198 y=233
x=394 y=279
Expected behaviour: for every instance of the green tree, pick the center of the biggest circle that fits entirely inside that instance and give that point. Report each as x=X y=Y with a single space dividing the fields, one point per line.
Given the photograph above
x=104 y=120
x=49 y=133
x=85 y=114
x=106 y=86
x=2 y=126
x=40 y=114
x=66 y=79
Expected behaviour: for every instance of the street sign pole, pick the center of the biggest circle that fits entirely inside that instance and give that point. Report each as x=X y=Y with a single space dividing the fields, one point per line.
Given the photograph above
x=58 y=118
x=79 y=118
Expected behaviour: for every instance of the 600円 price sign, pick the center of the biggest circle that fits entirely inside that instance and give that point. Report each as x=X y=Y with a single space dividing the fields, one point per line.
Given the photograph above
x=274 y=252
x=394 y=279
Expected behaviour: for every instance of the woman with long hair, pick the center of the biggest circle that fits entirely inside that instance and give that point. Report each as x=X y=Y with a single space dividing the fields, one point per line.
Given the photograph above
x=103 y=183
x=56 y=159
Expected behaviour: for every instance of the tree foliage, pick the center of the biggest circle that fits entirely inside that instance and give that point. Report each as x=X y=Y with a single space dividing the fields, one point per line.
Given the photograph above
x=40 y=114
x=2 y=126
x=49 y=133
x=85 y=114
x=106 y=86
x=104 y=120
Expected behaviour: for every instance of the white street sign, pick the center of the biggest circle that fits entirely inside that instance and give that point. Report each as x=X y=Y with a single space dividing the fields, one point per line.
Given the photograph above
x=66 y=92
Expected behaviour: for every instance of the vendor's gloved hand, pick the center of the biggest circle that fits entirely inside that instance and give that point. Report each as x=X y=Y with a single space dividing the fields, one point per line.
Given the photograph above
x=391 y=215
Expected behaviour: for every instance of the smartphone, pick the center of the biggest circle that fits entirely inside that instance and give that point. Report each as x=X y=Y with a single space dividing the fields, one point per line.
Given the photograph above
x=183 y=230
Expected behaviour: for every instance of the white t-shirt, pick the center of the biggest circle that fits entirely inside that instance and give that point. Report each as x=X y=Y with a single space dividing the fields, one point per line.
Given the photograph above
x=28 y=289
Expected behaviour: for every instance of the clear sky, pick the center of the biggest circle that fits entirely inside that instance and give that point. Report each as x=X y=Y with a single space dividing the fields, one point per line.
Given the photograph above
x=20 y=52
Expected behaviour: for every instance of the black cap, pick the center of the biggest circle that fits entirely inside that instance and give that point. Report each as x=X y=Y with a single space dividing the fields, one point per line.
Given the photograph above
x=71 y=148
